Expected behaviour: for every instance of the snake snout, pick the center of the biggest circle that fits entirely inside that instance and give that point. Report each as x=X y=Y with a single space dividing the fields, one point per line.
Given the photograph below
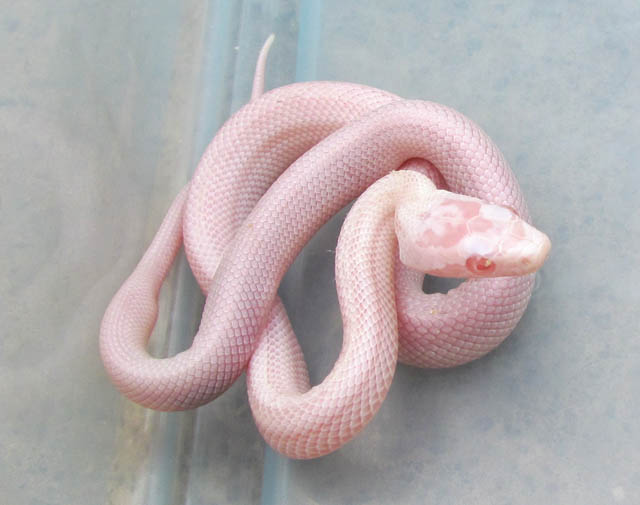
x=537 y=258
x=522 y=250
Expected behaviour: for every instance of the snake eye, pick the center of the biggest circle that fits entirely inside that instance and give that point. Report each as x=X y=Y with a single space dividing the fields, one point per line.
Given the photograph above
x=480 y=265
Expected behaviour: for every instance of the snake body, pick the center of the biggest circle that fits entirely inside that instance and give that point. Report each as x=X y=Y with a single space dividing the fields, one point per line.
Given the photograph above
x=272 y=176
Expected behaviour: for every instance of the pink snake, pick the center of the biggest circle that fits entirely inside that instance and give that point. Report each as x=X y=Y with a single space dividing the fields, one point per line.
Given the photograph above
x=272 y=176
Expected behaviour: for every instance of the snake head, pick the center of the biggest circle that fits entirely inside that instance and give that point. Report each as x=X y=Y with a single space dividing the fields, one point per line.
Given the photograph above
x=453 y=235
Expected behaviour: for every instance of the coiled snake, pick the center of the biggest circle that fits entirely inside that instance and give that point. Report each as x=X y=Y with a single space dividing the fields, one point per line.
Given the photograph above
x=272 y=176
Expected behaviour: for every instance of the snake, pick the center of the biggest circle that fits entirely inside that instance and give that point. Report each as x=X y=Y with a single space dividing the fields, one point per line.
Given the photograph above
x=433 y=195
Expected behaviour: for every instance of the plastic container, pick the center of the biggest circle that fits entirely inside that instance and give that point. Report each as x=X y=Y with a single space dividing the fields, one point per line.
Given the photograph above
x=104 y=112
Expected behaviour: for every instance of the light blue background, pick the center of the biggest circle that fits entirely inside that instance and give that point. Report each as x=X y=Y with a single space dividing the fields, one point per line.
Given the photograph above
x=104 y=110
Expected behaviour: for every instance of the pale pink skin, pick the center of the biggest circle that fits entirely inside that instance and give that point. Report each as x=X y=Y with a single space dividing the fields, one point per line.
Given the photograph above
x=240 y=248
x=458 y=236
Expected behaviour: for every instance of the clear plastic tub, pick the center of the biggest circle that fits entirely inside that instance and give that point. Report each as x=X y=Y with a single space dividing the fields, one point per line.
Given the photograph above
x=104 y=112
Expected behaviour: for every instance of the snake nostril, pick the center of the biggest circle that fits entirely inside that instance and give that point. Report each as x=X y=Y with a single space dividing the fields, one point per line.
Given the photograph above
x=512 y=209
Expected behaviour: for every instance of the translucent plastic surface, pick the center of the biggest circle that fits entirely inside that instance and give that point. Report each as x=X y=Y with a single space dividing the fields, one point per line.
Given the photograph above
x=104 y=112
